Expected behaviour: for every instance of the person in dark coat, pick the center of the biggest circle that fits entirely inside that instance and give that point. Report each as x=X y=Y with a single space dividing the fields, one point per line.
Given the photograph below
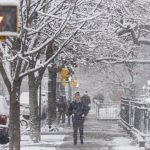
x=62 y=106
x=86 y=101
x=77 y=109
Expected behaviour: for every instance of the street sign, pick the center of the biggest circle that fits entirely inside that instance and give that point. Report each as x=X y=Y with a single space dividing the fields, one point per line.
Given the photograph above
x=74 y=83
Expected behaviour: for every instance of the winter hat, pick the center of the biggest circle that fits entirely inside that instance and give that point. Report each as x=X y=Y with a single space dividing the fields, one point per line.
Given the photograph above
x=77 y=94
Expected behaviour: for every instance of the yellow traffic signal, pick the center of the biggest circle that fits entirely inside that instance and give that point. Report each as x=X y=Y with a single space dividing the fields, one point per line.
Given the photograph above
x=65 y=73
x=8 y=20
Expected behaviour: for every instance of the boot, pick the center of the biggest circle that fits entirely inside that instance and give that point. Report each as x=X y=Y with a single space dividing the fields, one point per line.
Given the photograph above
x=75 y=142
x=81 y=140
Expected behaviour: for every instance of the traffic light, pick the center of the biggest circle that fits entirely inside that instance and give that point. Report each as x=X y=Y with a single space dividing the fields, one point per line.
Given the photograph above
x=8 y=20
x=65 y=73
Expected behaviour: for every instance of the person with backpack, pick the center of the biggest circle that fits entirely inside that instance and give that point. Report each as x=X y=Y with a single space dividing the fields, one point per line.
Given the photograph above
x=78 y=110
x=62 y=106
x=86 y=101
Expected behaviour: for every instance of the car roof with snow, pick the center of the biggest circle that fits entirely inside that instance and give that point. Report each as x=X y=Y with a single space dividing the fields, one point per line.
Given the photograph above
x=3 y=106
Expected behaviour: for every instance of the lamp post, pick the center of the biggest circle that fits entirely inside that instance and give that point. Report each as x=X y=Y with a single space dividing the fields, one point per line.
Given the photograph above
x=69 y=98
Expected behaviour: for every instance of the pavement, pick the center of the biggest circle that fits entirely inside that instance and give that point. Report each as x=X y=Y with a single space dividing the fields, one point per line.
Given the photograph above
x=100 y=135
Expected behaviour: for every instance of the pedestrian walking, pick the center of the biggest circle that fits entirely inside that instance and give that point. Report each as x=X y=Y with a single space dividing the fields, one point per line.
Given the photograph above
x=62 y=106
x=77 y=109
x=86 y=101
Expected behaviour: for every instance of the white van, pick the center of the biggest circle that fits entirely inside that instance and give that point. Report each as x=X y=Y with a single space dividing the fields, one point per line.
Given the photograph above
x=24 y=105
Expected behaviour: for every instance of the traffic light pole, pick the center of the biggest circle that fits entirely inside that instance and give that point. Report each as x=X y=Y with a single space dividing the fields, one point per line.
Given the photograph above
x=69 y=99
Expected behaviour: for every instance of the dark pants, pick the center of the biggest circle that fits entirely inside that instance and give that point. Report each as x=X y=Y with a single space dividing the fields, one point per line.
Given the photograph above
x=78 y=125
x=87 y=110
x=61 y=115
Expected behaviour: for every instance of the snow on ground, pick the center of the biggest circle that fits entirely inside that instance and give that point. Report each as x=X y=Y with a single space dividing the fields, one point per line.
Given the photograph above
x=123 y=143
x=45 y=139
x=128 y=148
x=99 y=134
x=48 y=142
x=38 y=148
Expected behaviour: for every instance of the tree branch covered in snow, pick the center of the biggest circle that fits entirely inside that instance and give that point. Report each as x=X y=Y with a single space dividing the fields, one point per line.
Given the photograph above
x=116 y=60
x=138 y=26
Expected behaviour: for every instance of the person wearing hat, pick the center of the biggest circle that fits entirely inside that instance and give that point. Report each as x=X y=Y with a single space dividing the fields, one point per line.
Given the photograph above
x=78 y=110
x=86 y=101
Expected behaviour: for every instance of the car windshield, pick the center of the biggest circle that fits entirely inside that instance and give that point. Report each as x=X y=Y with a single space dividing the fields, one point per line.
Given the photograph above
x=3 y=106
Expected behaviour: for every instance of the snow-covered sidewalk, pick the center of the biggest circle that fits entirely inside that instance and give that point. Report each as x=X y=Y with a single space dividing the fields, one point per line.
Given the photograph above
x=48 y=142
x=99 y=135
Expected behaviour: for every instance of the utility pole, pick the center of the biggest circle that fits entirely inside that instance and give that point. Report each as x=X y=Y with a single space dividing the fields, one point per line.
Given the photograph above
x=69 y=98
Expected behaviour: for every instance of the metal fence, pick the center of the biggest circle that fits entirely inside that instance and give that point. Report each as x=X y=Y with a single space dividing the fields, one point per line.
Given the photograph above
x=136 y=116
x=107 y=110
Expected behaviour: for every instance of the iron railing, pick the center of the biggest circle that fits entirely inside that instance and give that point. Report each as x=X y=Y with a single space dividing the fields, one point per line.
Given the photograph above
x=107 y=110
x=135 y=115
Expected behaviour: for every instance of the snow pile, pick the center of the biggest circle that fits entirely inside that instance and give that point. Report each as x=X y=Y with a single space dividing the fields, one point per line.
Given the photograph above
x=123 y=143
x=127 y=148
x=48 y=142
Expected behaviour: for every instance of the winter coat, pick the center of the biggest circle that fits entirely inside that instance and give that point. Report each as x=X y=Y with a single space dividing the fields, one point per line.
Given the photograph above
x=78 y=112
x=86 y=99
x=62 y=106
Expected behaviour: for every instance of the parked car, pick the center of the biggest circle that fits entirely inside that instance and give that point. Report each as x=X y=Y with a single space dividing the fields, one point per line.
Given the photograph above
x=4 y=121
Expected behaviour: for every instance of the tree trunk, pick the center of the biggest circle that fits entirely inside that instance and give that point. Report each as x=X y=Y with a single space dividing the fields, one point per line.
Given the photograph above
x=52 y=95
x=14 y=122
x=33 y=102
